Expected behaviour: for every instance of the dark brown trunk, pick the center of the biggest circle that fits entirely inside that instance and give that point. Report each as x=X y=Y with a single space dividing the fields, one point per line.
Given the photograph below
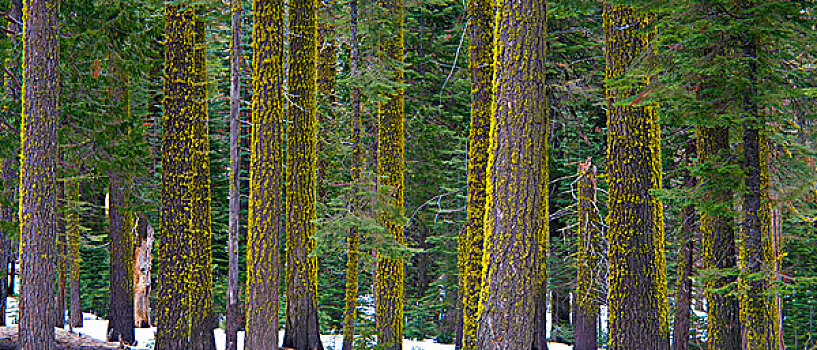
x=683 y=296
x=38 y=186
x=120 y=301
x=7 y=257
x=233 y=316
x=516 y=216
x=62 y=269
x=589 y=281
x=72 y=233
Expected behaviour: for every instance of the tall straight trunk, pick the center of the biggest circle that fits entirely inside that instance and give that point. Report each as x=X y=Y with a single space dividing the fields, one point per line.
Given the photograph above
x=266 y=180
x=516 y=226
x=173 y=304
x=38 y=186
x=637 y=299
x=62 y=269
x=327 y=61
x=302 y=331
x=233 y=316
x=588 y=287
x=756 y=250
x=683 y=295
x=120 y=302
x=469 y=257
x=142 y=265
x=353 y=241
x=72 y=233
x=201 y=270
x=390 y=172
x=718 y=251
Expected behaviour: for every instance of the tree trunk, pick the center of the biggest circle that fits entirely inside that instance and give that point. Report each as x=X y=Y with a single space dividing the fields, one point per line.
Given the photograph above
x=120 y=302
x=390 y=172
x=62 y=269
x=516 y=227
x=683 y=296
x=202 y=319
x=233 y=316
x=38 y=186
x=353 y=241
x=481 y=36
x=718 y=244
x=589 y=271
x=266 y=169
x=173 y=319
x=142 y=264
x=72 y=232
x=7 y=174
x=638 y=282
x=302 y=331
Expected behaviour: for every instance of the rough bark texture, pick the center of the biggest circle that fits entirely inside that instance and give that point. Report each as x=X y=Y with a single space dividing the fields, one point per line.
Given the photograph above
x=72 y=231
x=481 y=36
x=353 y=241
x=516 y=193
x=142 y=264
x=637 y=279
x=686 y=240
x=173 y=304
x=233 y=315
x=202 y=319
x=38 y=186
x=589 y=269
x=266 y=170
x=718 y=251
x=62 y=268
x=120 y=302
x=390 y=171
x=302 y=332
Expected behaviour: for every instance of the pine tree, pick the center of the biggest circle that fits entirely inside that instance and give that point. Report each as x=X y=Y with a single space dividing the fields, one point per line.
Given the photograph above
x=72 y=233
x=683 y=294
x=637 y=279
x=266 y=180
x=718 y=245
x=481 y=40
x=390 y=171
x=120 y=302
x=236 y=53
x=588 y=288
x=302 y=331
x=353 y=240
x=173 y=303
x=38 y=187
x=201 y=271
x=516 y=212
x=62 y=268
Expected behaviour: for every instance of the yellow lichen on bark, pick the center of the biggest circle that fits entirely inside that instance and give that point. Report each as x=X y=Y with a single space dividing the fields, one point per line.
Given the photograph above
x=637 y=297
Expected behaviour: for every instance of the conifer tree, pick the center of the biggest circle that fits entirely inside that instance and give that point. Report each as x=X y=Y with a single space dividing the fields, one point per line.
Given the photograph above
x=72 y=232
x=120 y=302
x=173 y=319
x=302 y=331
x=236 y=52
x=481 y=19
x=38 y=187
x=390 y=171
x=201 y=271
x=588 y=290
x=637 y=296
x=266 y=180
x=516 y=212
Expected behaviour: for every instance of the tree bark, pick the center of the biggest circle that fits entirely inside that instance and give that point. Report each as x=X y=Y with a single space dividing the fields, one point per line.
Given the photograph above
x=516 y=227
x=233 y=316
x=588 y=284
x=7 y=174
x=72 y=231
x=62 y=269
x=637 y=298
x=683 y=295
x=353 y=241
x=38 y=187
x=120 y=302
x=481 y=36
x=173 y=304
x=142 y=264
x=266 y=169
